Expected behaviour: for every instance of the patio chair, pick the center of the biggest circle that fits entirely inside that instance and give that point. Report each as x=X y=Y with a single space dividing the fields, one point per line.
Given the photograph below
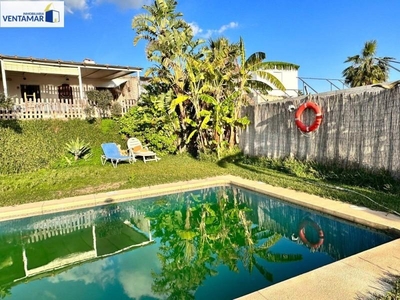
x=136 y=148
x=111 y=152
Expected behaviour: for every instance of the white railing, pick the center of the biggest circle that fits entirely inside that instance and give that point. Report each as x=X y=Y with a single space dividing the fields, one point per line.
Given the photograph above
x=54 y=109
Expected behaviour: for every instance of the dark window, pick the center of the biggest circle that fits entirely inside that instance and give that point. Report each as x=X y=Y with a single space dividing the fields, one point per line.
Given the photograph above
x=30 y=92
x=65 y=92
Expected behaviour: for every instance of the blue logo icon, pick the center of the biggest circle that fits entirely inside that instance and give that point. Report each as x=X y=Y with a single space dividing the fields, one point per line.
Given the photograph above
x=51 y=15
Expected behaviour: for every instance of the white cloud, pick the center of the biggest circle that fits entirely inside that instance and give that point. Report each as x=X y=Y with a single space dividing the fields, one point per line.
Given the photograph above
x=82 y=6
x=135 y=274
x=101 y=272
x=210 y=32
x=231 y=25
x=195 y=28
x=137 y=284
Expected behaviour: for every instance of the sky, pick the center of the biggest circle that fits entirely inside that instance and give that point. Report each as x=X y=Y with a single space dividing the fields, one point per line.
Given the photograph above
x=314 y=34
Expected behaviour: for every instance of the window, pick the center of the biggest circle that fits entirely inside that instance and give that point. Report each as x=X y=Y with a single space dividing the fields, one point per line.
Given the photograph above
x=30 y=92
x=65 y=93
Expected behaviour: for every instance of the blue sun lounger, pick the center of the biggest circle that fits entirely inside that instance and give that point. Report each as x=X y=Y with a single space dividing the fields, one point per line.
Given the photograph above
x=111 y=153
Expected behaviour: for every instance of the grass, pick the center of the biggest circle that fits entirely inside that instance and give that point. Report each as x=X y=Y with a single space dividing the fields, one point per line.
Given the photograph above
x=87 y=177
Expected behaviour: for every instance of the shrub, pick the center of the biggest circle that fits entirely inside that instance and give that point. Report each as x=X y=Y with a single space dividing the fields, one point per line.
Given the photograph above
x=102 y=100
x=79 y=148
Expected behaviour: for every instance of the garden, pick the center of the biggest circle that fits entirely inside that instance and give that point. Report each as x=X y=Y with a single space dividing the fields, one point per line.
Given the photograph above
x=190 y=115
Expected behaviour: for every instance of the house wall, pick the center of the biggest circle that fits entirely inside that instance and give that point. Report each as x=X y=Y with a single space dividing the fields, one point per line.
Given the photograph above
x=130 y=89
x=289 y=79
x=49 y=84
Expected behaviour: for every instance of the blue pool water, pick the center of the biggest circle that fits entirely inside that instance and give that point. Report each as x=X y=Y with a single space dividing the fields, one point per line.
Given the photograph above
x=215 y=243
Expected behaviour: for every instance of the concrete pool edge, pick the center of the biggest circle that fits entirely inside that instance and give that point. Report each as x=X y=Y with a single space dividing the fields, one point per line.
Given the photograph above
x=346 y=279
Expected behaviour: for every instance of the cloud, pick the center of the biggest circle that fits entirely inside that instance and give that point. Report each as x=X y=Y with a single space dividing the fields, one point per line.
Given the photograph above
x=135 y=274
x=228 y=26
x=101 y=272
x=84 y=6
x=210 y=32
x=195 y=28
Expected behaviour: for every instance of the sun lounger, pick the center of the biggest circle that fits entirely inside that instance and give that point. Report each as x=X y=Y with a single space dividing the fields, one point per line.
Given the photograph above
x=136 y=149
x=111 y=153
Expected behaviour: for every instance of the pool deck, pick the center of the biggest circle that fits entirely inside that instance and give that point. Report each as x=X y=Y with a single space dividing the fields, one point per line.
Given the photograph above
x=354 y=277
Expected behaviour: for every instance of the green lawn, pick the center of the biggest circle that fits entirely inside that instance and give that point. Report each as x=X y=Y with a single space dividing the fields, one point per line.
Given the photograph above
x=88 y=178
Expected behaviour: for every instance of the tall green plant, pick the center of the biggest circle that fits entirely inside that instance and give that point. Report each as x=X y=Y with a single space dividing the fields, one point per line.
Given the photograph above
x=194 y=74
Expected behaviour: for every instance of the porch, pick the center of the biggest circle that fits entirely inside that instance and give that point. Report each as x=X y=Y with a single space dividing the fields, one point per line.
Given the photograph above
x=43 y=88
x=55 y=108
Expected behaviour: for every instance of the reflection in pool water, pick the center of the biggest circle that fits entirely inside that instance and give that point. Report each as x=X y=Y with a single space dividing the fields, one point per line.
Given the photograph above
x=216 y=243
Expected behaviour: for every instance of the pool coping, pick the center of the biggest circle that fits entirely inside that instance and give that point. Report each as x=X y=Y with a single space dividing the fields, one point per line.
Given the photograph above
x=352 y=277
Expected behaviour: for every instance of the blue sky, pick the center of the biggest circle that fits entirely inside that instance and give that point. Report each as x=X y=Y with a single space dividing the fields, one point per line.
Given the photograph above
x=317 y=35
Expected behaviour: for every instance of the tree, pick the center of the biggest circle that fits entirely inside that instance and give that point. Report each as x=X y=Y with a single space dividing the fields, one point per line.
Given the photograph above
x=5 y=102
x=366 y=68
x=170 y=43
x=102 y=100
x=209 y=84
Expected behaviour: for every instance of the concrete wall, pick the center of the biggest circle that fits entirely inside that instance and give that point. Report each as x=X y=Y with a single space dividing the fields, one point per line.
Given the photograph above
x=361 y=126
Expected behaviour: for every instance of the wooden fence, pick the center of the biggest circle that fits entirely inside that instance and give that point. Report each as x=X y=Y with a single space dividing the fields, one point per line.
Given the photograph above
x=54 y=109
x=360 y=126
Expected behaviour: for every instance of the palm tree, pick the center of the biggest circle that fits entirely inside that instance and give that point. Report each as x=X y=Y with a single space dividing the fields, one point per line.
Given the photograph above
x=367 y=68
x=253 y=74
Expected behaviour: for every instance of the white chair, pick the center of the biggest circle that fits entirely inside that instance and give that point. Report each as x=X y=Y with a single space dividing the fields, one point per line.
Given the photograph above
x=136 y=149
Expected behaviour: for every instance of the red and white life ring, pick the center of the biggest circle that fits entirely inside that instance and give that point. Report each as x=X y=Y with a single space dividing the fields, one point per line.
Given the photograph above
x=317 y=121
x=309 y=223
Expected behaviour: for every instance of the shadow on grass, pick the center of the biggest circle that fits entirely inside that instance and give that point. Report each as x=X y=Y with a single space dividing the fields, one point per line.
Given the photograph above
x=11 y=124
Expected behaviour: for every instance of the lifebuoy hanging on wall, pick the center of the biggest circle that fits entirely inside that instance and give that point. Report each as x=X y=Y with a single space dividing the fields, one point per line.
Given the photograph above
x=302 y=234
x=318 y=117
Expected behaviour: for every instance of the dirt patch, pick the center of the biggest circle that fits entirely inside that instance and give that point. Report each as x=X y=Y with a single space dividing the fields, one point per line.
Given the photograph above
x=100 y=188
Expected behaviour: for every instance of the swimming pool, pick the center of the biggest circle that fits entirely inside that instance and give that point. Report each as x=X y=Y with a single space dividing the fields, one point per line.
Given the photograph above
x=214 y=243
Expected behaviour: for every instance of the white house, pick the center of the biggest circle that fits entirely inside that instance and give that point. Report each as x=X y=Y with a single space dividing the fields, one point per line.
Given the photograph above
x=289 y=79
x=46 y=88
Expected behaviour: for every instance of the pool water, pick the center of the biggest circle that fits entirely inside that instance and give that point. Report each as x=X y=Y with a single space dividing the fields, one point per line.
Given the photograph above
x=215 y=243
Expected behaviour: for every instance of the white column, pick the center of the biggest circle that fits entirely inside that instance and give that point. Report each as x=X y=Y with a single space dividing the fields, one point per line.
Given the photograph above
x=3 y=75
x=80 y=83
x=138 y=87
